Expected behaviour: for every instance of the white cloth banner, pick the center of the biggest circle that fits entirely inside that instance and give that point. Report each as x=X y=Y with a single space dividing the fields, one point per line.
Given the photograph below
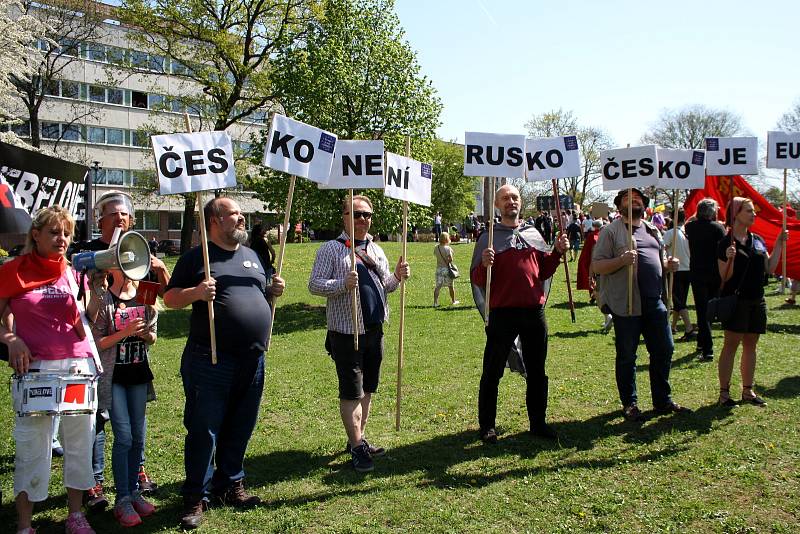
x=188 y=162
x=499 y=155
x=299 y=149
x=408 y=179
x=731 y=155
x=681 y=169
x=636 y=166
x=552 y=157
x=356 y=165
x=783 y=150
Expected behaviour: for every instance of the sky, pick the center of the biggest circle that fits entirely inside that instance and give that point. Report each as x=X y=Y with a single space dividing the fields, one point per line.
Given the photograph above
x=616 y=64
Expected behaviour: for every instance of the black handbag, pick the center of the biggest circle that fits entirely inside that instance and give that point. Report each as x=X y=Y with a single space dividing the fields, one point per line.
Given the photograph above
x=451 y=267
x=722 y=309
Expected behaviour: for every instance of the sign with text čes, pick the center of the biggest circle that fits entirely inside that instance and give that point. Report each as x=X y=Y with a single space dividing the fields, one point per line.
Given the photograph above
x=636 y=166
x=189 y=162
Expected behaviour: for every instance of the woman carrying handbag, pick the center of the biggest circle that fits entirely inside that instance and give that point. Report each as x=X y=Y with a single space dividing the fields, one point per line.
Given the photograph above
x=446 y=271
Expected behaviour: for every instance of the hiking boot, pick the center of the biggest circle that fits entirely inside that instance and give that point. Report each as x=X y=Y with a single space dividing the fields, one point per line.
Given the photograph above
x=543 y=430
x=142 y=506
x=77 y=524
x=192 y=514
x=672 y=407
x=374 y=451
x=362 y=461
x=125 y=514
x=94 y=499
x=236 y=496
x=632 y=413
x=705 y=358
x=146 y=484
x=489 y=435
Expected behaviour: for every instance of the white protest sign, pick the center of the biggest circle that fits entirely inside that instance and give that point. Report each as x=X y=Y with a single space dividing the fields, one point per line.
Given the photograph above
x=188 y=162
x=783 y=150
x=681 y=169
x=499 y=155
x=408 y=179
x=731 y=155
x=299 y=149
x=356 y=165
x=552 y=157
x=636 y=166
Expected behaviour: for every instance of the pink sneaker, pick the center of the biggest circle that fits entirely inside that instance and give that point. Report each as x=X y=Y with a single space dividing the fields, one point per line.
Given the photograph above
x=142 y=506
x=77 y=524
x=124 y=513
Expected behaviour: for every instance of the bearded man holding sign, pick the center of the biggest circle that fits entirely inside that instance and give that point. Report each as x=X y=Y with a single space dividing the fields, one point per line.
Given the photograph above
x=522 y=263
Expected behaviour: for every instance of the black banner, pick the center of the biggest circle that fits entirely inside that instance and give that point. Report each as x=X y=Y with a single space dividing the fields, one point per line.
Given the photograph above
x=547 y=203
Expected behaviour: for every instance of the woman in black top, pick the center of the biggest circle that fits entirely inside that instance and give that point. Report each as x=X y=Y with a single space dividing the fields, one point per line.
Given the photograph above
x=260 y=245
x=744 y=263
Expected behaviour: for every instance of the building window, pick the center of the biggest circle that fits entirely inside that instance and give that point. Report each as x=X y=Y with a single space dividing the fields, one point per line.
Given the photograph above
x=114 y=176
x=22 y=130
x=175 y=220
x=139 y=59
x=115 y=136
x=95 y=52
x=52 y=88
x=71 y=132
x=157 y=63
x=114 y=96
x=155 y=101
x=140 y=139
x=98 y=176
x=70 y=89
x=178 y=68
x=50 y=130
x=97 y=94
x=116 y=55
x=69 y=47
x=139 y=99
x=177 y=105
x=97 y=135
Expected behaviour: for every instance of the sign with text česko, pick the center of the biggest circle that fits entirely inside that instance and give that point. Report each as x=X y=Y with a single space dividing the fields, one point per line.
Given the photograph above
x=299 y=149
x=356 y=165
x=189 y=162
x=552 y=157
x=636 y=166
x=731 y=155
x=681 y=169
x=408 y=179
x=499 y=155
x=783 y=150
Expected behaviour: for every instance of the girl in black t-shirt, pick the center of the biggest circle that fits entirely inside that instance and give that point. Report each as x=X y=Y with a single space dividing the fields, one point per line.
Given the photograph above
x=744 y=263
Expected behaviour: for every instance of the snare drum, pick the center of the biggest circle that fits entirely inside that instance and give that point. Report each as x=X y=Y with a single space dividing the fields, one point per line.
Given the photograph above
x=36 y=394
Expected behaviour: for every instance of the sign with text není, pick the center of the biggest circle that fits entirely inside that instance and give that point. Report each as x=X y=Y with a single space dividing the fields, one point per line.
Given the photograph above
x=356 y=165
x=499 y=155
x=552 y=157
x=188 y=162
x=299 y=149
x=408 y=179
x=783 y=150
x=636 y=166
x=681 y=169
x=731 y=155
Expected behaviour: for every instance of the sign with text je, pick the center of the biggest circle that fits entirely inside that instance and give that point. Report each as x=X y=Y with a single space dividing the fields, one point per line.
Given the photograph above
x=499 y=155
x=408 y=179
x=731 y=155
x=783 y=150
x=356 y=165
x=552 y=157
x=681 y=169
x=188 y=162
x=636 y=166
x=299 y=149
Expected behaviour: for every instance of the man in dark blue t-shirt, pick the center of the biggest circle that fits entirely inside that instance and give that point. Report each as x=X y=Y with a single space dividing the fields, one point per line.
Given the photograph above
x=222 y=400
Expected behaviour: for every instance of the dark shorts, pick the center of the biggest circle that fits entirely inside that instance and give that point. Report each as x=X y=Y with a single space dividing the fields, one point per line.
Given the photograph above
x=750 y=317
x=680 y=290
x=358 y=371
x=575 y=244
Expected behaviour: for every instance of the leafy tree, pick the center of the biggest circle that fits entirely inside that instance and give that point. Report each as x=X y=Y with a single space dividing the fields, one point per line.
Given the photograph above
x=17 y=55
x=688 y=127
x=452 y=193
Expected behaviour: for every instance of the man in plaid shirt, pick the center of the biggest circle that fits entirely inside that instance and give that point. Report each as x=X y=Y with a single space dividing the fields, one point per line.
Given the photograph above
x=333 y=277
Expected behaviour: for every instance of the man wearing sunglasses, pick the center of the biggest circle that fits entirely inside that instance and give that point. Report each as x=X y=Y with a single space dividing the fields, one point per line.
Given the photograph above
x=333 y=277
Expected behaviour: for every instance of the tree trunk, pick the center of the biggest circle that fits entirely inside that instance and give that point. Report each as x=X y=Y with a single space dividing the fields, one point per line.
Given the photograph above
x=36 y=139
x=187 y=229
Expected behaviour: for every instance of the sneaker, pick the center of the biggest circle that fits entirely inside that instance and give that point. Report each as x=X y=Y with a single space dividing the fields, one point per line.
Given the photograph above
x=609 y=322
x=236 y=496
x=58 y=451
x=192 y=514
x=543 y=430
x=142 y=506
x=362 y=461
x=146 y=484
x=672 y=407
x=632 y=413
x=705 y=358
x=489 y=435
x=125 y=514
x=77 y=524
x=373 y=450
x=94 y=499
x=456 y=303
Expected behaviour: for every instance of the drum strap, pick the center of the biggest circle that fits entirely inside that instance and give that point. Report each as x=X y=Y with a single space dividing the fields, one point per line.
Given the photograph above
x=86 y=328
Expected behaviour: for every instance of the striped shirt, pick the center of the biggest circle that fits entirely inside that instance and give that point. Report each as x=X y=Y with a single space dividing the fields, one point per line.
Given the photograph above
x=327 y=280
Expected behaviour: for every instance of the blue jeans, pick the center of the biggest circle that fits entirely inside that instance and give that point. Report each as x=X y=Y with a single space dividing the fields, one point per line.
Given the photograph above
x=220 y=414
x=653 y=325
x=127 y=421
x=99 y=448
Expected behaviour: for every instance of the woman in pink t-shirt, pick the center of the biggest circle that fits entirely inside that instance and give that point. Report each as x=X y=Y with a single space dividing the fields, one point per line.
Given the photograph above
x=48 y=336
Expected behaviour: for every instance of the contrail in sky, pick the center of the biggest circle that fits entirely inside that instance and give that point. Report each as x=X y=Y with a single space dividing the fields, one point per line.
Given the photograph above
x=488 y=15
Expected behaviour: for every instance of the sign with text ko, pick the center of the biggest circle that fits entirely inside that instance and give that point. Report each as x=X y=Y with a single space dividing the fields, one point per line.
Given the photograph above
x=408 y=179
x=499 y=155
x=552 y=157
x=783 y=150
x=636 y=166
x=731 y=155
x=188 y=162
x=299 y=149
x=681 y=169
x=356 y=165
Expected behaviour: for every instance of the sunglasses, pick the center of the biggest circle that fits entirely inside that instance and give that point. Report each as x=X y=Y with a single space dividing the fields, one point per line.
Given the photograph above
x=367 y=215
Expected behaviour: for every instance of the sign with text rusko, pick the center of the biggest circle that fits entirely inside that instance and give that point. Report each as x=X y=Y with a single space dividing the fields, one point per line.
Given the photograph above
x=299 y=149
x=356 y=165
x=188 y=162
x=499 y=155
x=636 y=166
x=731 y=155
x=681 y=169
x=408 y=179
x=783 y=150
x=552 y=157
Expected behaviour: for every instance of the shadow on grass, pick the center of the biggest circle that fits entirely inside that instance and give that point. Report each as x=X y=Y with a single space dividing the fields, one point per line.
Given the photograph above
x=297 y=317
x=787 y=387
x=565 y=305
x=572 y=335
x=783 y=328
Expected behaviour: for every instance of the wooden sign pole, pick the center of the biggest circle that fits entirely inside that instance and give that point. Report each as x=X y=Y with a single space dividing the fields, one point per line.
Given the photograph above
x=282 y=247
x=630 y=247
x=564 y=258
x=354 y=292
x=783 y=250
x=486 y=306
x=674 y=246
x=401 y=338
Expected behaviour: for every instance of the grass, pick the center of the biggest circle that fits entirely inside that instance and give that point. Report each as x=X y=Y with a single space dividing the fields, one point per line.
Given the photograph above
x=713 y=471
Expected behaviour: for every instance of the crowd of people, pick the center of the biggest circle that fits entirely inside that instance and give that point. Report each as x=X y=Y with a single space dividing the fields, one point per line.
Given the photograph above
x=108 y=334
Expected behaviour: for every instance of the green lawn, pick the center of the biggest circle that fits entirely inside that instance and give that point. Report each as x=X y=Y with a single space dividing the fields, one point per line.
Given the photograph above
x=715 y=470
